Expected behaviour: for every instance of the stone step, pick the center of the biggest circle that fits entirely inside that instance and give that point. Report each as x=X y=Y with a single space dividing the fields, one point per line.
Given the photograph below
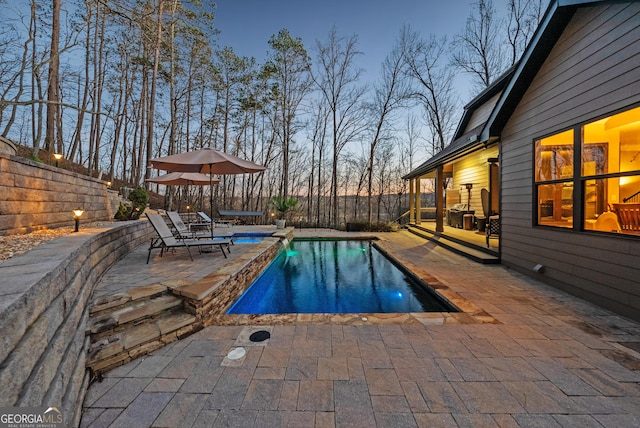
x=111 y=302
x=132 y=313
x=120 y=347
x=464 y=249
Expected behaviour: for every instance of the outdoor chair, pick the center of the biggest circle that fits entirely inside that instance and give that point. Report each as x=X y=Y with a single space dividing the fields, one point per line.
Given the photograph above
x=486 y=213
x=493 y=227
x=628 y=217
x=213 y=223
x=183 y=232
x=165 y=239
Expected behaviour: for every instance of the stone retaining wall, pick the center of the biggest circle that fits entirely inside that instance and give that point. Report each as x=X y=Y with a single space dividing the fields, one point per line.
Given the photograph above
x=39 y=196
x=211 y=296
x=44 y=310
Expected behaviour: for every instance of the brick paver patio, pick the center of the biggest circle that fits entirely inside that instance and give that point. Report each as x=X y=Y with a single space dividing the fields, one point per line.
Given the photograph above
x=547 y=360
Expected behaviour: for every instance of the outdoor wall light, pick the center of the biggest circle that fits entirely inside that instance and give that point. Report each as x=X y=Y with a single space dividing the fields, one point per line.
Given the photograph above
x=77 y=213
x=57 y=157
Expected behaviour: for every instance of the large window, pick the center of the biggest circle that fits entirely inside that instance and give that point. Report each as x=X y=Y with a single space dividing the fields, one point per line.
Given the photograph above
x=588 y=177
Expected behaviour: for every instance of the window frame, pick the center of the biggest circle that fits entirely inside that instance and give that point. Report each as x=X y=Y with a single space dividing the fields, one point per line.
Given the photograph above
x=578 y=180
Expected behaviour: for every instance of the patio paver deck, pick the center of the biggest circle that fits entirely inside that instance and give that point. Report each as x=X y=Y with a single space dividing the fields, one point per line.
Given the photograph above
x=550 y=360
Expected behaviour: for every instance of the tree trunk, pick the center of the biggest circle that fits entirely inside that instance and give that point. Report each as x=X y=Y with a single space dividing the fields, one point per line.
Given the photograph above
x=52 y=88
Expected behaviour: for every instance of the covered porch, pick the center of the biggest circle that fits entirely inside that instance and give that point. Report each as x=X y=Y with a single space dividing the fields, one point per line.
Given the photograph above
x=464 y=179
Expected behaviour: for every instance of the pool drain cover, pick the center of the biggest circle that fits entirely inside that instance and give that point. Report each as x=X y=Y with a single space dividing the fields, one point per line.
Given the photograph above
x=259 y=336
x=236 y=353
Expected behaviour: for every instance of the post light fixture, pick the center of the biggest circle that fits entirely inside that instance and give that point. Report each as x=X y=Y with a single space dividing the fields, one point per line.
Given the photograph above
x=108 y=185
x=468 y=186
x=77 y=213
x=57 y=157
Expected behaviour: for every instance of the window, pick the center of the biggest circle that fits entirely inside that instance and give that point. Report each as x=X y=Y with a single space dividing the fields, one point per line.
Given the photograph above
x=604 y=189
x=554 y=172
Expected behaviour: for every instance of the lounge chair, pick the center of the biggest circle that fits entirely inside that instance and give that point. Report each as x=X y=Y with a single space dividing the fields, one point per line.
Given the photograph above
x=166 y=240
x=183 y=232
x=213 y=223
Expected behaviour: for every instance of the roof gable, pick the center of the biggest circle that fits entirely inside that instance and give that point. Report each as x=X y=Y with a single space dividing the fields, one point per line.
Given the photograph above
x=553 y=24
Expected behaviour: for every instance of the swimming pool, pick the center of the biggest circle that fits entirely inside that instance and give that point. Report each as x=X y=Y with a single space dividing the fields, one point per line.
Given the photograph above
x=250 y=237
x=336 y=276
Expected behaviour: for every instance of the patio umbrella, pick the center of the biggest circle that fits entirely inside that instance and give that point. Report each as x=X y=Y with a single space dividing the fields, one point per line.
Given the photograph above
x=184 y=179
x=206 y=161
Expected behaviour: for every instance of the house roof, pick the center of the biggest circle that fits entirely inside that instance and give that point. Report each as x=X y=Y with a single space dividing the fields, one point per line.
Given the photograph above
x=553 y=23
x=514 y=83
x=464 y=142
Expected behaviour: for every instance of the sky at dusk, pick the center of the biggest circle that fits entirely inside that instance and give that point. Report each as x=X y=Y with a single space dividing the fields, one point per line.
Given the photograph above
x=247 y=25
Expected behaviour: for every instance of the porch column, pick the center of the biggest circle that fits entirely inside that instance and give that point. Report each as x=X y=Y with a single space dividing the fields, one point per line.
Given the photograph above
x=440 y=199
x=418 y=203
x=412 y=200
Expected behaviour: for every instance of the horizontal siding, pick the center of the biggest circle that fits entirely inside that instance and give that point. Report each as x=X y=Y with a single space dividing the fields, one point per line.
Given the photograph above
x=473 y=168
x=481 y=114
x=590 y=72
x=564 y=90
x=564 y=282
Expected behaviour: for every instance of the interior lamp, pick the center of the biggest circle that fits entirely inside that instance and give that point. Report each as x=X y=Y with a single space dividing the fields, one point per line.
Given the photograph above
x=77 y=213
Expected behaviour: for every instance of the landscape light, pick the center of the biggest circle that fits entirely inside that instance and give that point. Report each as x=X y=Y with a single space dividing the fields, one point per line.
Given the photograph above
x=57 y=157
x=77 y=213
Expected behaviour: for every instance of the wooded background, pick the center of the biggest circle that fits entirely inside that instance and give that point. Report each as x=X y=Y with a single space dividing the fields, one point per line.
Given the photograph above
x=111 y=84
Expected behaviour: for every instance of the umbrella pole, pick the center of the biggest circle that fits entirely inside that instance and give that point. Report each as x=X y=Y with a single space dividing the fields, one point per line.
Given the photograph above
x=211 y=199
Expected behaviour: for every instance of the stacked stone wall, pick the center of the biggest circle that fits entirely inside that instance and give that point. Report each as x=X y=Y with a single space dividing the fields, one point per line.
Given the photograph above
x=38 y=196
x=44 y=311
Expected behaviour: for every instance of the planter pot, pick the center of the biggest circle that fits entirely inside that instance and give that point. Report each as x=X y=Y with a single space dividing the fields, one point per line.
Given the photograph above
x=280 y=224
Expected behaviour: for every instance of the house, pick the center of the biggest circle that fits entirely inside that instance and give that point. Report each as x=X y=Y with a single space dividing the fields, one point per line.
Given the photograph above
x=566 y=125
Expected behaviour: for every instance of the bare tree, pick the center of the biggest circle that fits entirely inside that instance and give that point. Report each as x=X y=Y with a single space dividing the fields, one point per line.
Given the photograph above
x=318 y=140
x=410 y=142
x=52 y=88
x=13 y=79
x=478 y=49
x=290 y=66
x=390 y=94
x=154 y=86
x=433 y=77
x=337 y=79
x=523 y=19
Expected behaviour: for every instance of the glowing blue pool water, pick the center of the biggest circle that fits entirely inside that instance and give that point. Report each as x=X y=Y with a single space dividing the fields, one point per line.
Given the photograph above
x=335 y=276
x=249 y=237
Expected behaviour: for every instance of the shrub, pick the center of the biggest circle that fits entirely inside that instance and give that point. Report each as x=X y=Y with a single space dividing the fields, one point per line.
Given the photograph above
x=363 y=226
x=139 y=199
x=283 y=206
